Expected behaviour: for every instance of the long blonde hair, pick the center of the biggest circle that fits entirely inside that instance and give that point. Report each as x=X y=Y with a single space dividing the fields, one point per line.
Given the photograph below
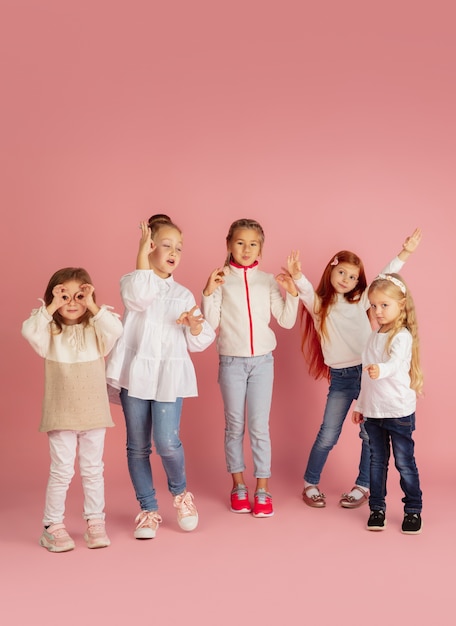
x=393 y=286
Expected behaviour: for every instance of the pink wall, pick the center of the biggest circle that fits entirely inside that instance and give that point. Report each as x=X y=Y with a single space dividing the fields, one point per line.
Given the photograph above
x=334 y=128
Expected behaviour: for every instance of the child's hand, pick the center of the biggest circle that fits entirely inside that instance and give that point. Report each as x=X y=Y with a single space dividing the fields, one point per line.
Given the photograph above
x=193 y=319
x=214 y=281
x=373 y=371
x=294 y=265
x=146 y=246
x=287 y=283
x=61 y=297
x=357 y=417
x=85 y=296
x=412 y=242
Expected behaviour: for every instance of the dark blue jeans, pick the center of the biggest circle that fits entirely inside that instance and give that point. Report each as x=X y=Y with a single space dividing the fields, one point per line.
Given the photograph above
x=343 y=389
x=395 y=432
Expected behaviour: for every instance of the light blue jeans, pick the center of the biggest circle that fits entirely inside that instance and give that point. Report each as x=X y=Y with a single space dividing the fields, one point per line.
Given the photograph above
x=343 y=389
x=146 y=420
x=246 y=385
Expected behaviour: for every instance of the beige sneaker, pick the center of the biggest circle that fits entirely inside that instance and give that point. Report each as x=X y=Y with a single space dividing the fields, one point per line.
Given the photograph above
x=187 y=515
x=147 y=523
x=95 y=535
x=55 y=538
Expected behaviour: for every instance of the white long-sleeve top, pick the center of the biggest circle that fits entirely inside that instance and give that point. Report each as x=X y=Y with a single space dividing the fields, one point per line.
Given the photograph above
x=390 y=394
x=75 y=396
x=242 y=308
x=347 y=323
x=151 y=358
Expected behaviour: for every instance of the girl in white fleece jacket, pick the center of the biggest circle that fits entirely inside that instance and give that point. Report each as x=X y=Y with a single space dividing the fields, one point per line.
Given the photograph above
x=239 y=299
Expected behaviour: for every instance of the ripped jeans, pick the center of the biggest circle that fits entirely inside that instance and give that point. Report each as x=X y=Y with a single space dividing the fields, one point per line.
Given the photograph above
x=147 y=421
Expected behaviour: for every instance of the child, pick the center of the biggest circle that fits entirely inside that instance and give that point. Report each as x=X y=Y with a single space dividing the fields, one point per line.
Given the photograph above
x=240 y=299
x=73 y=334
x=336 y=328
x=391 y=380
x=151 y=366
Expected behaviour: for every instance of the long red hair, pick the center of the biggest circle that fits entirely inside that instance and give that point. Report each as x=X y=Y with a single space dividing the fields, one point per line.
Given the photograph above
x=326 y=295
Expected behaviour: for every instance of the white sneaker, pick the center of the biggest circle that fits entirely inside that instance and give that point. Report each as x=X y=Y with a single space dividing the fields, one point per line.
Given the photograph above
x=147 y=523
x=187 y=515
x=95 y=535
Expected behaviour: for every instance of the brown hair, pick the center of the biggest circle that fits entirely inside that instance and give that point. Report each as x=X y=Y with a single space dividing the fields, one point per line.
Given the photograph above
x=157 y=221
x=63 y=276
x=311 y=337
x=248 y=224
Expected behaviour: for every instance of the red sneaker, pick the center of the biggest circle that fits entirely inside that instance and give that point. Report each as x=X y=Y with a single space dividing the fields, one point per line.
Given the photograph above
x=240 y=500
x=262 y=504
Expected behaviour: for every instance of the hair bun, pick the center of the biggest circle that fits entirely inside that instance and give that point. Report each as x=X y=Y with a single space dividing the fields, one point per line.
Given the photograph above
x=159 y=218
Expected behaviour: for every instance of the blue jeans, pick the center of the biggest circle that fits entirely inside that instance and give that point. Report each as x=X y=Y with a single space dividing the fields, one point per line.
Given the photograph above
x=246 y=383
x=147 y=419
x=395 y=432
x=343 y=389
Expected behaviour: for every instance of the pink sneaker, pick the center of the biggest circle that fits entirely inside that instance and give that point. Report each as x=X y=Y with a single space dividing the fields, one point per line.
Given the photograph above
x=240 y=500
x=147 y=523
x=95 y=535
x=262 y=504
x=187 y=515
x=56 y=539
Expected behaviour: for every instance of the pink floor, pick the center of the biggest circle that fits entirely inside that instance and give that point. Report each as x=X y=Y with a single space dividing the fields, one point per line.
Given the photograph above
x=299 y=566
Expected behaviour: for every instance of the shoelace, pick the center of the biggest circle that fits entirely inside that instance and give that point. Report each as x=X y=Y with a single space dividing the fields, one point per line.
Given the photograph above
x=148 y=518
x=262 y=496
x=185 y=505
x=241 y=492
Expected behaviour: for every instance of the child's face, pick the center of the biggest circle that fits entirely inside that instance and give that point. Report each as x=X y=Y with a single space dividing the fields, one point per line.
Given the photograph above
x=386 y=310
x=344 y=277
x=245 y=246
x=166 y=255
x=72 y=311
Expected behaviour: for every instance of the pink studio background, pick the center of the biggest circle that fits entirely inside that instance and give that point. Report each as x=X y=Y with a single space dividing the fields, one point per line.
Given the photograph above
x=331 y=123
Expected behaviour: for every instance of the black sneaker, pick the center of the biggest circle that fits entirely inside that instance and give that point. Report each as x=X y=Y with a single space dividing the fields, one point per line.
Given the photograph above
x=411 y=524
x=376 y=521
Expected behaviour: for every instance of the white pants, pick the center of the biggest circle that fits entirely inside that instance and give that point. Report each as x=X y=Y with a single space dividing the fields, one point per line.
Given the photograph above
x=63 y=445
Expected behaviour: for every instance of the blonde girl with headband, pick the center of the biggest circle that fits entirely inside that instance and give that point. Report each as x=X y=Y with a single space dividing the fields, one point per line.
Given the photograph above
x=335 y=330
x=73 y=335
x=390 y=383
x=151 y=367
x=239 y=300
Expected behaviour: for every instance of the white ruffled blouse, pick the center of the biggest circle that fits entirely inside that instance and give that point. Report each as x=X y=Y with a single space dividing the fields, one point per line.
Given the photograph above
x=151 y=359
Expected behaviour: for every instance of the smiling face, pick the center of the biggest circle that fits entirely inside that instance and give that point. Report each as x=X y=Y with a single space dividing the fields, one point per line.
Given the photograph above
x=166 y=255
x=72 y=311
x=386 y=309
x=344 y=277
x=245 y=246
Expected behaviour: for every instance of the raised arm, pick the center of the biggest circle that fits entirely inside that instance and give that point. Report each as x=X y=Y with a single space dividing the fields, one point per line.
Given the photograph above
x=410 y=244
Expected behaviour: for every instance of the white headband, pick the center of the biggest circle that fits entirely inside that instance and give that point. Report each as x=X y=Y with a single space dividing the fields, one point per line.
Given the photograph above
x=395 y=281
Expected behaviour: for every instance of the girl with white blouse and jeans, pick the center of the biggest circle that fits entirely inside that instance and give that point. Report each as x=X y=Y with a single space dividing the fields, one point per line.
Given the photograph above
x=391 y=380
x=151 y=367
